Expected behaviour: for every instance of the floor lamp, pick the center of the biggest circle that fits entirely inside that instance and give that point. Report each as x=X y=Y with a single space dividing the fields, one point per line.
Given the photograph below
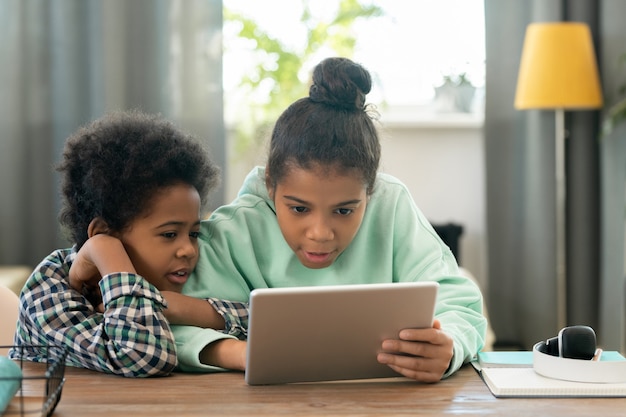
x=558 y=71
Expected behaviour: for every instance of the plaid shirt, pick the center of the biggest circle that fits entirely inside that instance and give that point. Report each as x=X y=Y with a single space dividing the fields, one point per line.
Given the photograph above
x=131 y=338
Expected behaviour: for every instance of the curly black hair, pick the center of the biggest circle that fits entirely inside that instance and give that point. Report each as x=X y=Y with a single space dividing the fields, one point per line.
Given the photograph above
x=113 y=167
x=333 y=126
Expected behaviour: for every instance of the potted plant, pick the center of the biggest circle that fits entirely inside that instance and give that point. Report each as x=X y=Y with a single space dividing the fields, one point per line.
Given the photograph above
x=455 y=94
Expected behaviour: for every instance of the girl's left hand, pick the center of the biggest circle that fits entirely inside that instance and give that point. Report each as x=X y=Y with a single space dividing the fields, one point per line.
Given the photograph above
x=420 y=354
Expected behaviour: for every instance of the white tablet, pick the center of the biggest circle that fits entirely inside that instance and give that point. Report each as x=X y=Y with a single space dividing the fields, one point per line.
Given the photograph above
x=324 y=333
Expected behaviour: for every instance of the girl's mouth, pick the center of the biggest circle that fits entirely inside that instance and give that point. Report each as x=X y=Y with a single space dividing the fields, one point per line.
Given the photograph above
x=317 y=257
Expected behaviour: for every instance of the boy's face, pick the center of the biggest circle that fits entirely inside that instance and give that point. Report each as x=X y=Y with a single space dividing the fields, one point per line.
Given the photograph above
x=319 y=211
x=163 y=243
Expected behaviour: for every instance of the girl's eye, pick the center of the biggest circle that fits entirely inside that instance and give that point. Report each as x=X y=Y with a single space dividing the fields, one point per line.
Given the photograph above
x=299 y=209
x=169 y=235
x=194 y=235
x=344 y=211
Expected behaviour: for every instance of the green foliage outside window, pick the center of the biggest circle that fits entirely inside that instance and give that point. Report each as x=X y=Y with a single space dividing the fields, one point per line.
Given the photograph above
x=277 y=66
x=616 y=113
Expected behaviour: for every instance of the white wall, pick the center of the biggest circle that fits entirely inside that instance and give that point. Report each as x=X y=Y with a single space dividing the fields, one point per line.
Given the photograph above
x=441 y=161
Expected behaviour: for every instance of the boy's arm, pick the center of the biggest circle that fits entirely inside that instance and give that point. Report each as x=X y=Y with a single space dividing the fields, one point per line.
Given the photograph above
x=235 y=315
x=213 y=313
x=131 y=338
x=190 y=311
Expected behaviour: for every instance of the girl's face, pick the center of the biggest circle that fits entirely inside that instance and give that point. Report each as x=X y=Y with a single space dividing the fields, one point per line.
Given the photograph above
x=163 y=244
x=319 y=212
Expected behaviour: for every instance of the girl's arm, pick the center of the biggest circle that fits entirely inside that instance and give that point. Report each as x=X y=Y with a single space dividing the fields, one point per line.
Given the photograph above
x=226 y=353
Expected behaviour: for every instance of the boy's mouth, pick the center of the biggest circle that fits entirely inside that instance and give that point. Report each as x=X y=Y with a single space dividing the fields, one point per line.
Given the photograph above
x=178 y=277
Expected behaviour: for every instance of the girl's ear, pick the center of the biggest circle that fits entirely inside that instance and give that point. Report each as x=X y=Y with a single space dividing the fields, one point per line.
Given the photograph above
x=97 y=227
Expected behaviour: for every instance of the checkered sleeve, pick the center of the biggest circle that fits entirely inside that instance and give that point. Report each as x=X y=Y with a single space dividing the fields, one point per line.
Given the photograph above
x=132 y=338
x=235 y=316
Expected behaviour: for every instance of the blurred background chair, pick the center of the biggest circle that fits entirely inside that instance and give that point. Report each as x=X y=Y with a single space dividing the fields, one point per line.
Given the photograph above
x=14 y=276
x=9 y=302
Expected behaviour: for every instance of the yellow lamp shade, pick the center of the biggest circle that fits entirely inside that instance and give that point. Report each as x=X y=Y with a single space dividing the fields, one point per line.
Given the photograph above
x=558 y=68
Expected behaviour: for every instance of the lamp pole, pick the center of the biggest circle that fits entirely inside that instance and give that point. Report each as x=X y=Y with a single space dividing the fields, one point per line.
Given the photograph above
x=561 y=244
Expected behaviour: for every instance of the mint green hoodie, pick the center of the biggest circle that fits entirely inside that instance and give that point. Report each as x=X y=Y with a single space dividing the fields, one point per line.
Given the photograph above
x=242 y=248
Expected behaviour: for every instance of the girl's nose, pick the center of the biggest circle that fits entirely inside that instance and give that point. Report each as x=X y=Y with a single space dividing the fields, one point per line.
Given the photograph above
x=320 y=230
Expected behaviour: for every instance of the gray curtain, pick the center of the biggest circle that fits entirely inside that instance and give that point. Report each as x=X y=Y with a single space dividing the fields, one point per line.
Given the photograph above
x=613 y=185
x=67 y=62
x=520 y=158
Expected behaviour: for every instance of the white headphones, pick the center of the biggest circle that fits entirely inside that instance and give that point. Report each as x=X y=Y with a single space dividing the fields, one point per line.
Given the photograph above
x=570 y=356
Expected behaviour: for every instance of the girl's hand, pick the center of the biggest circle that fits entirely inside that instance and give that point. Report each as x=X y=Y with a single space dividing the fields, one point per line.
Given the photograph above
x=420 y=354
x=225 y=353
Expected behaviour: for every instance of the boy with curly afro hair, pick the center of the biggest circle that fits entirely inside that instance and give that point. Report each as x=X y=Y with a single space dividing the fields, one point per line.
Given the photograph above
x=134 y=188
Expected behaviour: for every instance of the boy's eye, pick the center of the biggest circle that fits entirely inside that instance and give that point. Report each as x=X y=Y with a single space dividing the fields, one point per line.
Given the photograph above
x=344 y=211
x=299 y=209
x=194 y=235
x=169 y=235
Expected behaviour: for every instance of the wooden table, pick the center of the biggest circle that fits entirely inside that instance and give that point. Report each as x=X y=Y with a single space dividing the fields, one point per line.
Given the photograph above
x=89 y=393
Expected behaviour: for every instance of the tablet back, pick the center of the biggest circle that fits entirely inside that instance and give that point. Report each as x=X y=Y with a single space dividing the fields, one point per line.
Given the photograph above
x=323 y=333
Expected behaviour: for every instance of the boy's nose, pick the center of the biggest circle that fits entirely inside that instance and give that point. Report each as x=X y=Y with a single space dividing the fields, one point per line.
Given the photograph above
x=188 y=249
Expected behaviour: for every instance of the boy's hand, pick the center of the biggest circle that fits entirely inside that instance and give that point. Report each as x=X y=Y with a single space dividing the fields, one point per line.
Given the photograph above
x=420 y=354
x=100 y=255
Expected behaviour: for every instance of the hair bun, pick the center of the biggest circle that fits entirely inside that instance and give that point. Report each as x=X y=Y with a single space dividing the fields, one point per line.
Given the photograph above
x=340 y=82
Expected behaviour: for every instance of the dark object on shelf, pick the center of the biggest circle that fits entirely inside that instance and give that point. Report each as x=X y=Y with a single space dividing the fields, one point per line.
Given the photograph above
x=450 y=234
x=50 y=381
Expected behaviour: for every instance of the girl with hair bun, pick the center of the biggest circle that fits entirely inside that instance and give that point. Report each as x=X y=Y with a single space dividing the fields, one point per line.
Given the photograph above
x=320 y=213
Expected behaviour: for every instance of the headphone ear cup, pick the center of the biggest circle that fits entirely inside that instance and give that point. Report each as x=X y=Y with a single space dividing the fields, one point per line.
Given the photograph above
x=577 y=342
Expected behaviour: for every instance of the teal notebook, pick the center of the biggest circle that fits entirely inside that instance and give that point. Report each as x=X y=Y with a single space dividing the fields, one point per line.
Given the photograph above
x=505 y=359
x=524 y=359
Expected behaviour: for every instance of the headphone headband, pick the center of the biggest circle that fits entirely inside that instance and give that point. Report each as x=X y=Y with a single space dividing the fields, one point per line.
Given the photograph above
x=577 y=370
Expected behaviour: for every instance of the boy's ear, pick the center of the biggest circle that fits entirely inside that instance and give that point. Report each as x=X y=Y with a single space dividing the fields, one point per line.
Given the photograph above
x=97 y=227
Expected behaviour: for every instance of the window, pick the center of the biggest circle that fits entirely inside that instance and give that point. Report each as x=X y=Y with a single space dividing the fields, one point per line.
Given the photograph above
x=418 y=43
x=409 y=49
